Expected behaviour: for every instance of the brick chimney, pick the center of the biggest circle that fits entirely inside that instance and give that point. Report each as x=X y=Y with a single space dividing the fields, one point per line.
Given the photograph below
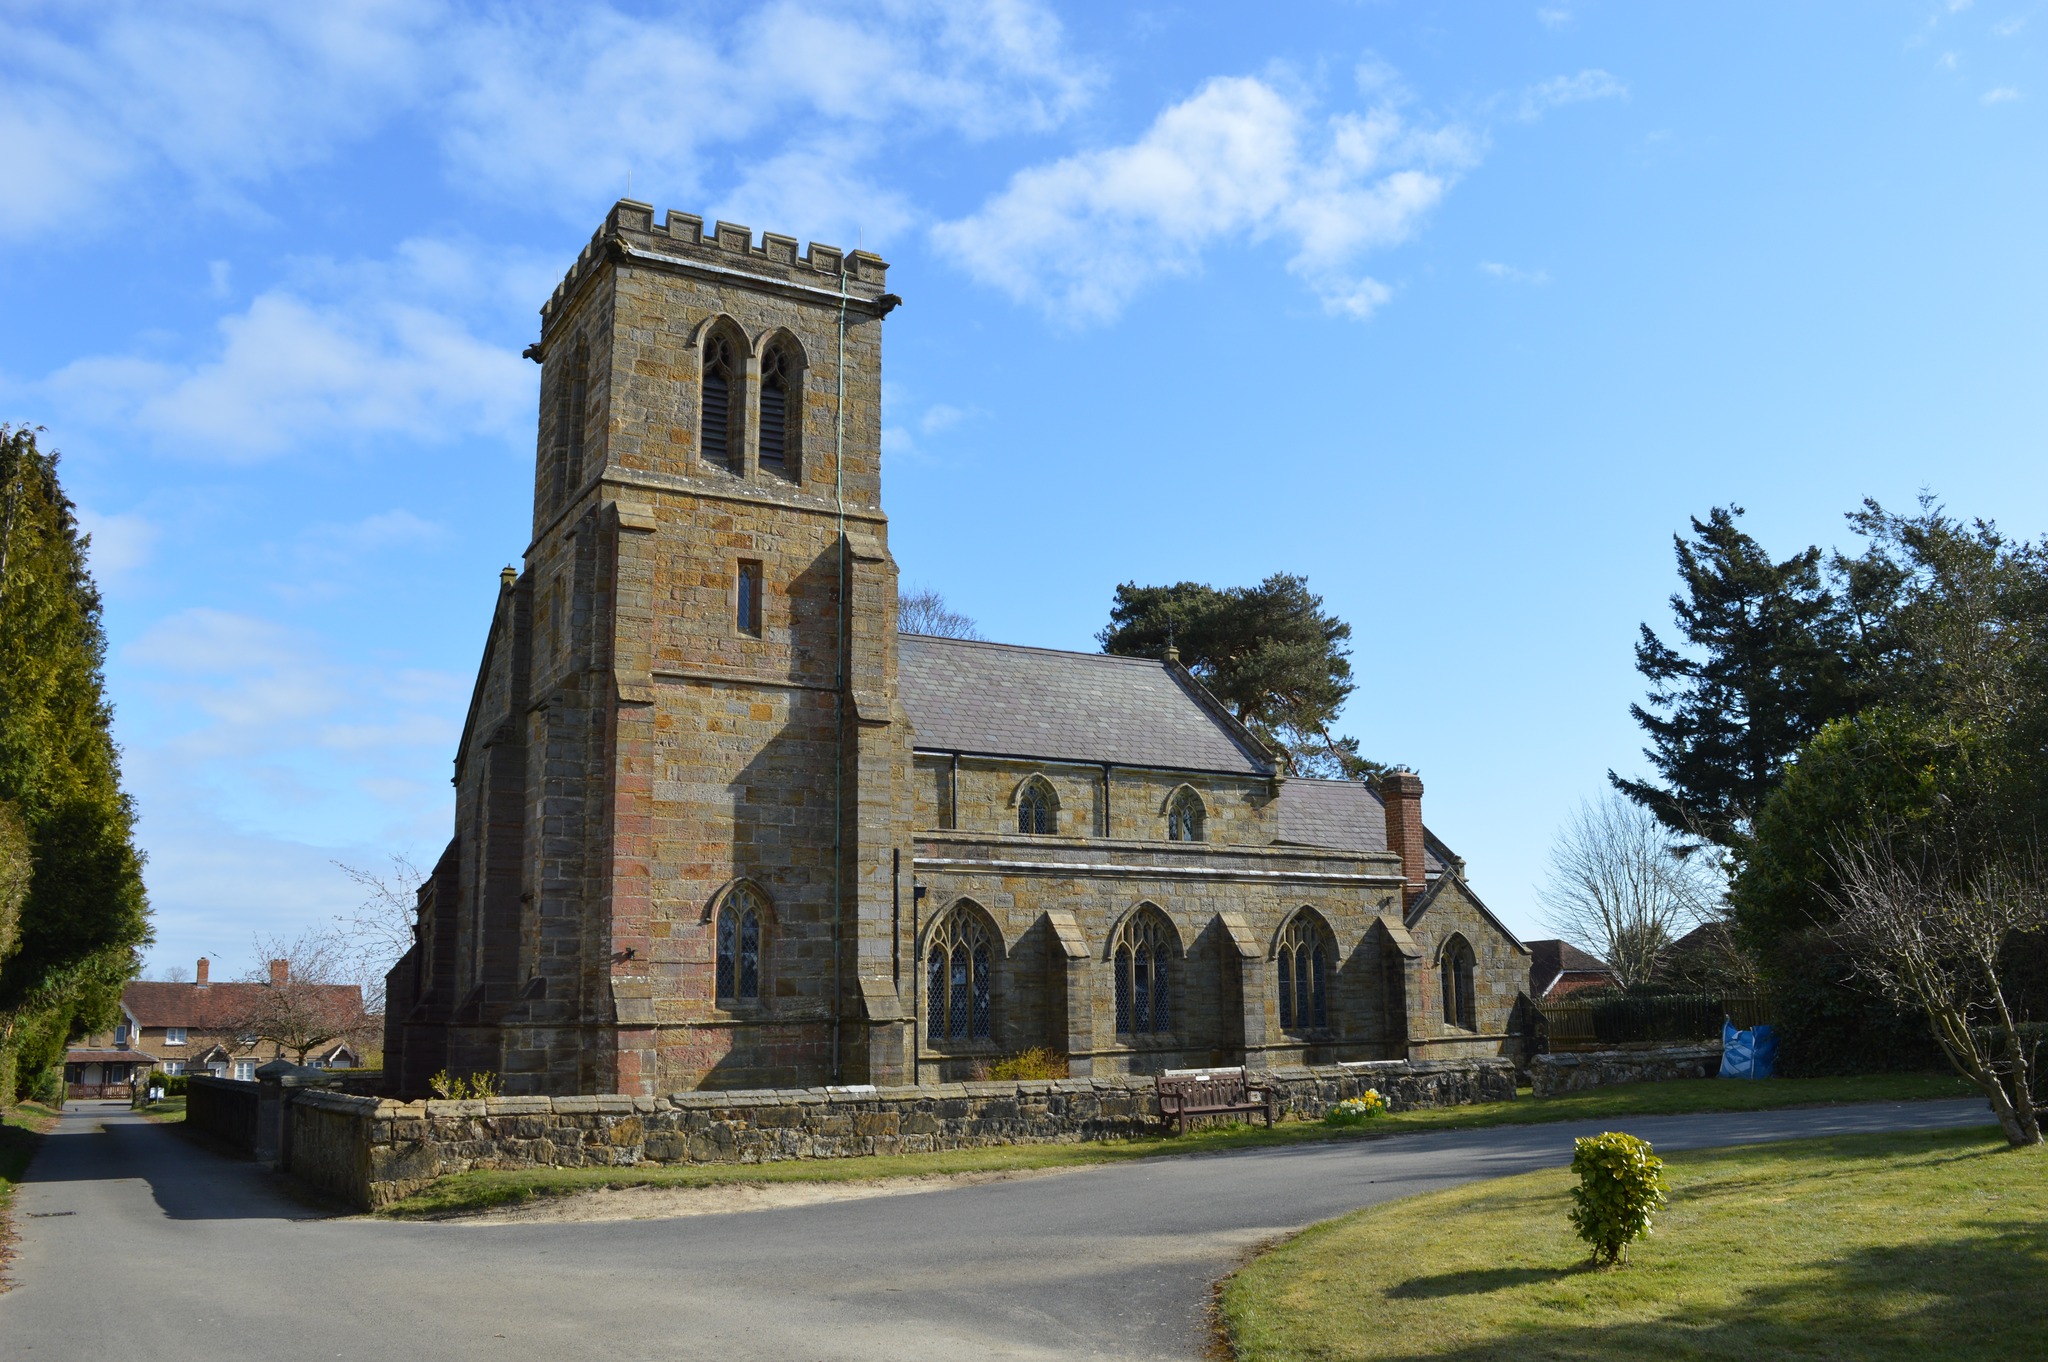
x=199 y=972
x=280 y=973
x=1401 y=792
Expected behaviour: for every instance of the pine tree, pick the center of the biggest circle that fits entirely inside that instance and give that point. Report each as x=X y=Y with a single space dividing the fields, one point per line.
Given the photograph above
x=1270 y=652
x=84 y=914
x=1769 y=663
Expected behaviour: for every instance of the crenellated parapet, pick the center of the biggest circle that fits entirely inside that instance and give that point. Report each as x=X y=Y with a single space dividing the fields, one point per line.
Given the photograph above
x=630 y=236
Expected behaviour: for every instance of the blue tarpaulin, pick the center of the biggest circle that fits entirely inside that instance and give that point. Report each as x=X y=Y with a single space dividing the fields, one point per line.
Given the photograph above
x=1748 y=1054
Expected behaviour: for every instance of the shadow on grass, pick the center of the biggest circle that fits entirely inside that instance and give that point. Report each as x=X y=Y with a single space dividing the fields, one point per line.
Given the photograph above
x=1478 y=1281
x=1972 y=1298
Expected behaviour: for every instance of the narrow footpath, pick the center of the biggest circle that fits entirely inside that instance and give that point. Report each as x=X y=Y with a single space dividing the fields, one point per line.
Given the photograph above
x=135 y=1242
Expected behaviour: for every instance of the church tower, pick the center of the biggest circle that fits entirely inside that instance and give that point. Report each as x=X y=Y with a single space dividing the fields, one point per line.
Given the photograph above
x=683 y=808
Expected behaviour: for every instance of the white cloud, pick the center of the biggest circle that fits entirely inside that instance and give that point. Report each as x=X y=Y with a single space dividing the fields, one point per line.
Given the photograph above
x=1948 y=61
x=1559 y=91
x=566 y=110
x=1958 y=6
x=2003 y=94
x=219 y=98
x=1553 y=16
x=550 y=104
x=338 y=351
x=1237 y=161
x=1508 y=274
x=2005 y=28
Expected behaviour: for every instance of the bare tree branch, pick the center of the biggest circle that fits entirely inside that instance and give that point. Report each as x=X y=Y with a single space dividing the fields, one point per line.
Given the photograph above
x=925 y=612
x=1928 y=930
x=378 y=930
x=1618 y=887
x=306 y=1003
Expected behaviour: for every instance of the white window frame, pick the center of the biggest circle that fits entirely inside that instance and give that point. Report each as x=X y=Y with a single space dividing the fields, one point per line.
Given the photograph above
x=245 y=1070
x=174 y=1035
x=174 y=1067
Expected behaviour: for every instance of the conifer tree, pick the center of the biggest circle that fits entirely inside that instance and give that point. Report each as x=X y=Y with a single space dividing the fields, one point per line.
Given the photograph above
x=1769 y=665
x=1270 y=652
x=83 y=915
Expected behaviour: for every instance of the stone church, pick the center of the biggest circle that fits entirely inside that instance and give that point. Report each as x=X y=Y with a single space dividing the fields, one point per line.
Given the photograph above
x=718 y=825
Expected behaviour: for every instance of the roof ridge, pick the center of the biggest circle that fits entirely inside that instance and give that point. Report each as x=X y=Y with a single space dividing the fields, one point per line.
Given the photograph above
x=1034 y=648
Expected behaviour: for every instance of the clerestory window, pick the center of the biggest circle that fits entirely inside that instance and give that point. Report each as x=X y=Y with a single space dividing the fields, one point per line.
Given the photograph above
x=1184 y=818
x=1038 y=808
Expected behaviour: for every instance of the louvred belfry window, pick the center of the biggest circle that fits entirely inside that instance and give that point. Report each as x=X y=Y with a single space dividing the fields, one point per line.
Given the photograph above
x=779 y=398
x=721 y=385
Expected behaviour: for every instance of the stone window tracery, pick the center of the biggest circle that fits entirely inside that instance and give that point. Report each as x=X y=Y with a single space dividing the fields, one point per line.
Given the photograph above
x=1038 y=808
x=1145 y=951
x=781 y=402
x=721 y=389
x=739 y=946
x=960 y=979
x=1185 y=818
x=1458 y=967
x=1305 y=958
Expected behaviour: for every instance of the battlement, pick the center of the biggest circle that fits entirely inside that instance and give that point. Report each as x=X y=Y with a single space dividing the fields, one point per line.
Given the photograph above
x=629 y=235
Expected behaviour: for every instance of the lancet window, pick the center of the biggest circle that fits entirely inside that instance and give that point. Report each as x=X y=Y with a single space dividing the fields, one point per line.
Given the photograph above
x=1185 y=817
x=721 y=391
x=739 y=946
x=1038 y=808
x=1458 y=966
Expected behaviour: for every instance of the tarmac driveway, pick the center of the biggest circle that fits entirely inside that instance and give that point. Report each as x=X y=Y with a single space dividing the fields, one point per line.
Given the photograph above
x=137 y=1243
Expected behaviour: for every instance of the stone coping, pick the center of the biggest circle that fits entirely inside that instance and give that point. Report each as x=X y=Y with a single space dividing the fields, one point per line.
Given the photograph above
x=618 y=1105
x=1572 y=1058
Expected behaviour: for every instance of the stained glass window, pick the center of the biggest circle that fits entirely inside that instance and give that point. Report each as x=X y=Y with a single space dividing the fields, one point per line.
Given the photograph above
x=739 y=946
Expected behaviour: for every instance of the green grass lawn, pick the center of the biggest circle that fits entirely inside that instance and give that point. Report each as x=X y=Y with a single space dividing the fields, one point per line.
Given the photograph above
x=1922 y=1246
x=164 y=1109
x=464 y=1192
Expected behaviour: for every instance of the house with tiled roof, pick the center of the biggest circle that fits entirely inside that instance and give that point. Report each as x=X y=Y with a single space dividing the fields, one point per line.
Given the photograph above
x=718 y=824
x=1558 y=969
x=202 y=1026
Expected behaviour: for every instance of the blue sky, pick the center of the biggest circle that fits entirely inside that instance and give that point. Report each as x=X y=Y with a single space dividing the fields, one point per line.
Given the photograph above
x=1459 y=309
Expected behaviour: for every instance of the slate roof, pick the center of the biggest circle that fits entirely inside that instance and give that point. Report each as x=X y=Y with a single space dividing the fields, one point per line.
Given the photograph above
x=999 y=699
x=1344 y=816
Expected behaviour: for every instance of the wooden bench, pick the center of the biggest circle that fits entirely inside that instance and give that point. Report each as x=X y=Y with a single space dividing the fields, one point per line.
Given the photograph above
x=1188 y=1093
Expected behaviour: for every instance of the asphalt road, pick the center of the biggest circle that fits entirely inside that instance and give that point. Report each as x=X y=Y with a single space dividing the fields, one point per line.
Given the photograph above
x=137 y=1243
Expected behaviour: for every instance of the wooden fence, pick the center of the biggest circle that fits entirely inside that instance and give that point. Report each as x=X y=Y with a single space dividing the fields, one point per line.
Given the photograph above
x=1619 y=1021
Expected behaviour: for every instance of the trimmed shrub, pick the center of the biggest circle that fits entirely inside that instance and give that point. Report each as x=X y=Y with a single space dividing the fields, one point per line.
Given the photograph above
x=1621 y=1185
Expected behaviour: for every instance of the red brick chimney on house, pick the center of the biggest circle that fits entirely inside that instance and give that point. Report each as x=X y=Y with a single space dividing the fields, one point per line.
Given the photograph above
x=280 y=973
x=200 y=972
x=1401 y=792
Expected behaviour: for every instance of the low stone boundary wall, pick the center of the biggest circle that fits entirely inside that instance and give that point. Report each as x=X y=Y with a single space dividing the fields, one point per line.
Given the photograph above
x=372 y=1151
x=224 y=1108
x=1575 y=1072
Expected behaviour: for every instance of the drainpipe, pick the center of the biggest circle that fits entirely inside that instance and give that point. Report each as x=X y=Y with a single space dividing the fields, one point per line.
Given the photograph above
x=839 y=693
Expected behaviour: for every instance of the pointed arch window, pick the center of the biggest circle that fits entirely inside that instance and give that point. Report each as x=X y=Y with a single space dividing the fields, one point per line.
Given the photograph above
x=781 y=400
x=1145 y=986
x=1185 y=817
x=1038 y=808
x=960 y=957
x=1458 y=967
x=739 y=946
x=1306 y=957
x=721 y=391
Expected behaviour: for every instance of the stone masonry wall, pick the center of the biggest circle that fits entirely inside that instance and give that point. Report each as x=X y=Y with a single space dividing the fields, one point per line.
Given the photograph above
x=1554 y=1074
x=373 y=1152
